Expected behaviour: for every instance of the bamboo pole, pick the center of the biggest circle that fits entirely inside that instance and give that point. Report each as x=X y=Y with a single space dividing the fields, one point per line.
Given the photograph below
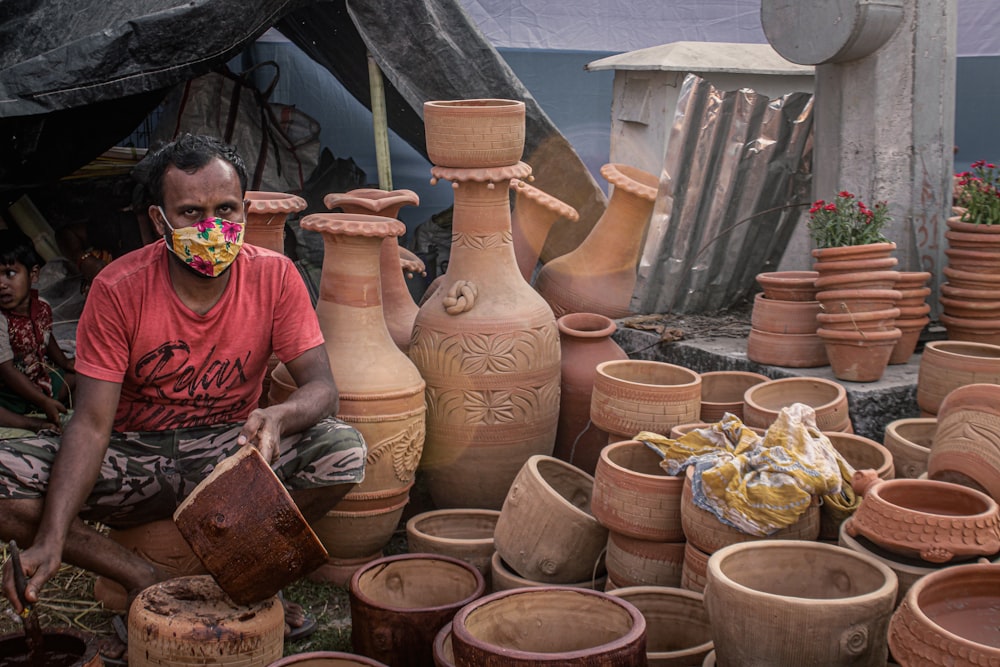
x=381 y=124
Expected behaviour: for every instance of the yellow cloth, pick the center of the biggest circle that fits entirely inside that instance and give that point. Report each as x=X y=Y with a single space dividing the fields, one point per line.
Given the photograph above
x=760 y=485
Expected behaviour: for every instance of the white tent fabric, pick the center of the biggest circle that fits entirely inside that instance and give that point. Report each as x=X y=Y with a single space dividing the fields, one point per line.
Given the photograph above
x=627 y=25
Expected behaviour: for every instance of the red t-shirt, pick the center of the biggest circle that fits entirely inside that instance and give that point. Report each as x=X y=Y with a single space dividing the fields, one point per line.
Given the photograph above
x=179 y=369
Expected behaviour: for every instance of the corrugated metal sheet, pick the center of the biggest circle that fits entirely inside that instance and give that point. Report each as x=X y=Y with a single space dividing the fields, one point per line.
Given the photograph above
x=736 y=178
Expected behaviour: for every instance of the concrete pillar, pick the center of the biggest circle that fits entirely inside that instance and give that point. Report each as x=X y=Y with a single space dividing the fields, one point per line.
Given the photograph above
x=884 y=108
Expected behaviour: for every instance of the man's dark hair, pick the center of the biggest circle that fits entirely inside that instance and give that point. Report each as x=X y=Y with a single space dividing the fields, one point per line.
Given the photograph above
x=16 y=248
x=189 y=153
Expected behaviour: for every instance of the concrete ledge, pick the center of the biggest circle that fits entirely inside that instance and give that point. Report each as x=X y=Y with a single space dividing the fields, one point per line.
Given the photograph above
x=872 y=404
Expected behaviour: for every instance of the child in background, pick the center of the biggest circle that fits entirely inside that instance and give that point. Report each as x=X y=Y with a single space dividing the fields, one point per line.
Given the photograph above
x=35 y=374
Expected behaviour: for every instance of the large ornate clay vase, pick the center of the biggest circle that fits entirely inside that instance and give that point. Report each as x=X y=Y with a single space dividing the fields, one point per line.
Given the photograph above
x=398 y=305
x=381 y=391
x=599 y=275
x=585 y=341
x=266 y=215
x=534 y=214
x=488 y=347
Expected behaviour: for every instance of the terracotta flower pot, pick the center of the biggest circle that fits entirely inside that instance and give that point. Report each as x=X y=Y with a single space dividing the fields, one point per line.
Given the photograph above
x=633 y=562
x=474 y=133
x=913 y=312
x=598 y=276
x=973 y=260
x=465 y=534
x=966 y=447
x=545 y=530
x=946 y=365
x=863 y=453
x=584 y=342
x=906 y=345
x=852 y=253
x=326 y=659
x=909 y=439
x=859 y=356
x=503 y=578
x=912 y=280
x=976 y=330
x=633 y=395
x=970 y=309
x=531 y=627
x=843 y=301
x=722 y=392
x=785 y=317
x=788 y=350
x=873 y=320
x=856 y=280
x=835 y=610
x=910 y=298
x=843 y=267
x=788 y=285
x=935 y=521
x=633 y=495
x=949 y=613
x=533 y=216
x=444 y=651
x=971 y=279
x=678 y=633
x=764 y=401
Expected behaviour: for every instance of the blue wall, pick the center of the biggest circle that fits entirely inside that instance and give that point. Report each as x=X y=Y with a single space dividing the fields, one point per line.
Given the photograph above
x=977 y=110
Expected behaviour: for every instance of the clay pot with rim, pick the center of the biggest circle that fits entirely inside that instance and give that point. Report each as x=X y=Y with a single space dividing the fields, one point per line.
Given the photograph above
x=545 y=531
x=946 y=365
x=59 y=646
x=949 y=617
x=909 y=298
x=632 y=562
x=788 y=285
x=863 y=453
x=834 y=611
x=882 y=280
x=971 y=279
x=633 y=395
x=909 y=439
x=722 y=392
x=935 y=521
x=845 y=267
x=859 y=356
x=973 y=260
x=266 y=215
x=788 y=350
x=966 y=448
x=910 y=331
x=784 y=317
x=912 y=280
x=466 y=534
x=399 y=603
x=584 y=342
x=872 y=320
x=474 y=133
x=598 y=276
x=534 y=214
x=503 y=578
x=764 y=401
x=694 y=568
x=444 y=651
x=852 y=253
x=972 y=329
x=633 y=495
x=678 y=633
x=326 y=659
x=532 y=627
x=843 y=301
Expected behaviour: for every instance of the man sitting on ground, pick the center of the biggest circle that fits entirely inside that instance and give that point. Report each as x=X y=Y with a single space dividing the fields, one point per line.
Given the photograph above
x=172 y=347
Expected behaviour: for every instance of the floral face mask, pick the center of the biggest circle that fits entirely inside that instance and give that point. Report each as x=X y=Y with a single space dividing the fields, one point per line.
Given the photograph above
x=207 y=247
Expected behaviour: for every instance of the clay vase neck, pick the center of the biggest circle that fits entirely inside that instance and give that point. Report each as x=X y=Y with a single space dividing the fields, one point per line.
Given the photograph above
x=398 y=306
x=534 y=214
x=599 y=275
x=266 y=215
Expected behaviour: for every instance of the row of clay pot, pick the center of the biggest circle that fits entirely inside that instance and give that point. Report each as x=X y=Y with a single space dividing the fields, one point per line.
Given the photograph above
x=969 y=303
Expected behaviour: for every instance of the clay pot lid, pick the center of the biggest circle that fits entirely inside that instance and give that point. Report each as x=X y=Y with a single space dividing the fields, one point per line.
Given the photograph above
x=274 y=202
x=631 y=179
x=541 y=198
x=480 y=174
x=353 y=224
x=372 y=199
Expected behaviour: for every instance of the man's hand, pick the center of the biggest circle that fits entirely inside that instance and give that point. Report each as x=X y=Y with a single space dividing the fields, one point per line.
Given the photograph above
x=53 y=409
x=40 y=565
x=262 y=430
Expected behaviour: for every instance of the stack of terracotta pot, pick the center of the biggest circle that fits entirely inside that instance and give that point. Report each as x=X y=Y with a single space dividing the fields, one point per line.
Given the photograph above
x=783 y=321
x=969 y=299
x=858 y=301
x=913 y=313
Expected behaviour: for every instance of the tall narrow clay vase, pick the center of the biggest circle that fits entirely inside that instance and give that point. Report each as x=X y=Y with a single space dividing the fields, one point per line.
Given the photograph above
x=487 y=345
x=266 y=215
x=585 y=341
x=533 y=216
x=381 y=391
x=398 y=305
x=599 y=275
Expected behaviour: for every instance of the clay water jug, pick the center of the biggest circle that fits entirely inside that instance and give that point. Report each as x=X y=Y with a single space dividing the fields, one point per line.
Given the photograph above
x=599 y=275
x=488 y=347
x=533 y=216
x=381 y=391
x=585 y=341
x=398 y=305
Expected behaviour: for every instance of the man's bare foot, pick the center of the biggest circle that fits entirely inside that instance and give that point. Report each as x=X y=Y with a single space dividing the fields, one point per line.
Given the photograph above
x=297 y=624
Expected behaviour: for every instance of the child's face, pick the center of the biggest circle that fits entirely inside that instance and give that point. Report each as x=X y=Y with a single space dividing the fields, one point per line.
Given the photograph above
x=15 y=286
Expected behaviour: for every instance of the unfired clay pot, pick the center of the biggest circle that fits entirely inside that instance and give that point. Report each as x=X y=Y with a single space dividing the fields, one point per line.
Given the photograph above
x=677 y=629
x=545 y=531
x=935 y=521
x=488 y=346
x=827 y=605
x=946 y=365
x=598 y=276
x=949 y=617
x=534 y=214
x=532 y=627
x=584 y=341
x=966 y=447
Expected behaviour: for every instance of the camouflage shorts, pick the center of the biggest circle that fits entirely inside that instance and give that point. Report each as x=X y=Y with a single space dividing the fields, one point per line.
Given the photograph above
x=145 y=476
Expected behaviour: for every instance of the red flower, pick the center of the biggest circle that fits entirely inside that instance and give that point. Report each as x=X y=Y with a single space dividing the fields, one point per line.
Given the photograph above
x=845 y=194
